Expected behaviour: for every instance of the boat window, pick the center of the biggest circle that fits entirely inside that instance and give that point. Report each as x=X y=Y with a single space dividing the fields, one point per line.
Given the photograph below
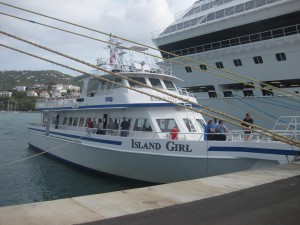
x=75 y=121
x=237 y=62
x=65 y=121
x=249 y=5
x=81 y=122
x=86 y=121
x=212 y=94
x=169 y=85
x=201 y=123
x=166 y=125
x=188 y=69
x=119 y=81
x=200 y=89
x=155 y=82
x=139 y=79
x=70 y=121
x=248 y=93
x=190 y=126
x=258 y=60
x=103 y=85
x=53 y=119
x=220 y=14
x=94 y=121
x=280 y=57
x=219 y=65
x=227 y=93
x=239 y=8
x=260 y=3
x=142 y=125
x=109 y=84
x=203 y=67
x=229 y=11
x=211 y=16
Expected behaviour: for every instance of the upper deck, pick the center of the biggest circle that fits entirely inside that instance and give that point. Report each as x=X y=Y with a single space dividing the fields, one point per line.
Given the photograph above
x=124 y=84
x=225 y=21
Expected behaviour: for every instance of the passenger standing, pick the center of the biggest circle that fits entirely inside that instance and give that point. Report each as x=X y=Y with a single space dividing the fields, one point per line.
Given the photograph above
x=208 y=131
x=90 y=126
x=100 y=127
x=110 y=126
x=248 y=127
x=221 y=129
x=215 y=123
x=174 y=133
x=124 y=127
x=90 y=123
x=56 y=121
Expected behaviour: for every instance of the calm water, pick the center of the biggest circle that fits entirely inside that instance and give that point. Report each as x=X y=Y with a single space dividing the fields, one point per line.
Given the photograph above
x=42 y=178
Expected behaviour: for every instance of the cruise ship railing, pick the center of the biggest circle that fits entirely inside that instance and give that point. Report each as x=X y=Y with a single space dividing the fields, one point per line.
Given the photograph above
x=262 y=36
x=181 y=24
x=234 y=135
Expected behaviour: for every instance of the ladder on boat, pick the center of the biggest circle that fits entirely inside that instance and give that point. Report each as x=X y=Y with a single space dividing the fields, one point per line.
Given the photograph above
x=190 y=117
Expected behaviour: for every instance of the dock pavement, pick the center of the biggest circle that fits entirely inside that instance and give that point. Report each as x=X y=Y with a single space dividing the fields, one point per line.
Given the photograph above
x=263 y=196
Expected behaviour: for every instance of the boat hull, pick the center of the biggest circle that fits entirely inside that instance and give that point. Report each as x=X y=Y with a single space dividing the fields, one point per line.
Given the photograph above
x=152 y=165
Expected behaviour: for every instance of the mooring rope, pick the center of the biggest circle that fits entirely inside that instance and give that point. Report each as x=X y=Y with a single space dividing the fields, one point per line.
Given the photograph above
x=266 y=86
x=268 y=133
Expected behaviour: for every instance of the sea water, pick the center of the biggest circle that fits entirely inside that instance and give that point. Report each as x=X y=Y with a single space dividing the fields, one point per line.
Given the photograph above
x=41 y=178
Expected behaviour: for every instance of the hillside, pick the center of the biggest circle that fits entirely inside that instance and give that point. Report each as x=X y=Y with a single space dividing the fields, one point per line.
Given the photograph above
x=13 y=78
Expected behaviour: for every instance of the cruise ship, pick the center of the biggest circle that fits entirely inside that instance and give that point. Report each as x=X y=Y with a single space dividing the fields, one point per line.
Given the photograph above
x=238 y=56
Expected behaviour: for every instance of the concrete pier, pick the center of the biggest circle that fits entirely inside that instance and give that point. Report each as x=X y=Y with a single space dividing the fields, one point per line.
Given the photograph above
x=98 y=207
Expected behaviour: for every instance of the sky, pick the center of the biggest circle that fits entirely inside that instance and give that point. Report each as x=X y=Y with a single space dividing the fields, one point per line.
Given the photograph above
x=134 y=20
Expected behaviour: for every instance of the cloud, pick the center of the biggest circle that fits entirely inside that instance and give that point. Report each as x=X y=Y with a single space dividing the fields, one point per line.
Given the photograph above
x=132 y=19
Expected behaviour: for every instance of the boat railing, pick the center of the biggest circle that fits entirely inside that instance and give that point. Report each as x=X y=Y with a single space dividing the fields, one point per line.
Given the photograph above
x=123 y=68
x=65 y=97
x=185 y=92
x=233 y=135
x=251 y=38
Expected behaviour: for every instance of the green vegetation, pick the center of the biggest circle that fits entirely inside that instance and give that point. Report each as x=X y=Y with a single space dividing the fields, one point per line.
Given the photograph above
x=11 y=79
x=19 y=100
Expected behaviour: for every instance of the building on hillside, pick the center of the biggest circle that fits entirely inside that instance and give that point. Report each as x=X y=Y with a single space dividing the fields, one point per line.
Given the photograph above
x=75 y=94
x=20 y=88
x=57 y=87
x=44 y=94
x=5 y=94
x=72 y=88
x=32 y=94
x=56 y=94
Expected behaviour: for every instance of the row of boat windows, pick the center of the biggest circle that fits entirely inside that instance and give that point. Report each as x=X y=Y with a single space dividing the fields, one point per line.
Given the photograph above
x=154 y=82
x=247 y=89
x=140 y=124
x=238 y=62
x=229 y=11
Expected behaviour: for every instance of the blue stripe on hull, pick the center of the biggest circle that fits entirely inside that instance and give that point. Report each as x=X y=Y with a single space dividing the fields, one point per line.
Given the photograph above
x=79 y=137
x=253 y=150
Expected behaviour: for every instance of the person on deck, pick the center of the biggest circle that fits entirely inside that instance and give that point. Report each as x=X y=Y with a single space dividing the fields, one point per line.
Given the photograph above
x=110 y=126
x=124 y=127
x=174 y=133
x=209 y=130
x=248 y=127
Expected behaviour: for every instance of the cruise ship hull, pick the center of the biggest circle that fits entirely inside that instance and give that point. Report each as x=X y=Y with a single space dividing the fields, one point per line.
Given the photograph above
x=228 y=63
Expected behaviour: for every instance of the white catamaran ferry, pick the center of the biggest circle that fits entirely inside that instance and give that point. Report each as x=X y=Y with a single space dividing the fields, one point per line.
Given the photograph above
x=257 y=39
x=145 y=147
